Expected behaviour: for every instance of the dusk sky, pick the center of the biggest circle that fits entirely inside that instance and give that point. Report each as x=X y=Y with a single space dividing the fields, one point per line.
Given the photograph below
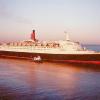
x=50 y=18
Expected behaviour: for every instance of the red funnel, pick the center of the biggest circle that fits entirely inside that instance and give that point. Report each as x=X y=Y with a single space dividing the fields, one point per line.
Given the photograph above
x=33 y=35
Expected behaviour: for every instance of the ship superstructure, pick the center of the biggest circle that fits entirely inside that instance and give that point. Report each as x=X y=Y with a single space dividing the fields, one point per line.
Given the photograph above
x=33 y=45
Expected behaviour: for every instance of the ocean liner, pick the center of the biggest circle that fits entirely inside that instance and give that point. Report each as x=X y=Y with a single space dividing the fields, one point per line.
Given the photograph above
x=62 y=50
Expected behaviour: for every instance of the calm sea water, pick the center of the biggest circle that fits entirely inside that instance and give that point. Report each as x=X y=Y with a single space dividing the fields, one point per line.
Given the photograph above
x=26 y=80
x=93 y=47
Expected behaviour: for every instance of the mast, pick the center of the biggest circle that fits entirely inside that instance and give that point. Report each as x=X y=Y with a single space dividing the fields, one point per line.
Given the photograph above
x=67 y=36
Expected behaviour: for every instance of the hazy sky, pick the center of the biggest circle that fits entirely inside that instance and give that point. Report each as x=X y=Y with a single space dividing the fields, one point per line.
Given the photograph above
x=50 y=18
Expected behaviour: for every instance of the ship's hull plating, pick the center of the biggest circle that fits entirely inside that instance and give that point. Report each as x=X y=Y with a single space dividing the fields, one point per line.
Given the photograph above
x=51 y=57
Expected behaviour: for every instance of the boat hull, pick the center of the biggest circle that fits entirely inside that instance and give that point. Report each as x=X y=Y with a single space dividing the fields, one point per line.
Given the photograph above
x=51 y=57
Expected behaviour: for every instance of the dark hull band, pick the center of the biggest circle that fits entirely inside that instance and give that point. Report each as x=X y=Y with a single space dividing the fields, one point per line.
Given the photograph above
x=51 y=57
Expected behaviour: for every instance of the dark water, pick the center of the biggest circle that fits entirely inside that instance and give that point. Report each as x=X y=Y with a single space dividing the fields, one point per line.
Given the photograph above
x=26 y=80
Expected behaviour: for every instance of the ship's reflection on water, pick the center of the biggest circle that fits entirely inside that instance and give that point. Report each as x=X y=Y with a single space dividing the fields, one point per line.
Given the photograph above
x=26 y=80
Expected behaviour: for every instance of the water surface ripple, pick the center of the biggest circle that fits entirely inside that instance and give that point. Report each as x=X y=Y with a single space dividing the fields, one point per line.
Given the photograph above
x=26 y=80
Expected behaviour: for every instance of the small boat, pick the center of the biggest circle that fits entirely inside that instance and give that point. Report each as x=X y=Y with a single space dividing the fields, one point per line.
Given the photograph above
x=37 y=59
